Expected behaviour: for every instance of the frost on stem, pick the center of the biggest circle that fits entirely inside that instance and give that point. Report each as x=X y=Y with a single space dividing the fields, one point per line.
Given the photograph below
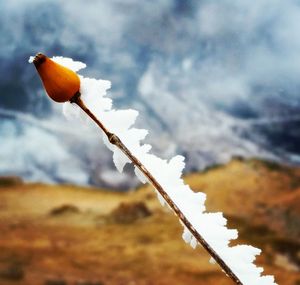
x=211 y=226
x=140 y=175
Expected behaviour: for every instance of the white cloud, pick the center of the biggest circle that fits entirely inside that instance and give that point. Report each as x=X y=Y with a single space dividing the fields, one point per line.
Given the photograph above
x=189 y=72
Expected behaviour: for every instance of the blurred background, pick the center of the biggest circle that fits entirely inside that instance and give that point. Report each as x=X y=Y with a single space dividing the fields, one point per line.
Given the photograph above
x=215 y=81
x=211 y=80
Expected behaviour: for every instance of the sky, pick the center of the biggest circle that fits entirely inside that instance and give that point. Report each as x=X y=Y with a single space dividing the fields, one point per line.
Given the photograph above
x=211 y=80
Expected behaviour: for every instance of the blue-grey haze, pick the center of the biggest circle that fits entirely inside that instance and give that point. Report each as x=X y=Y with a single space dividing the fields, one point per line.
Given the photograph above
x=211 y=79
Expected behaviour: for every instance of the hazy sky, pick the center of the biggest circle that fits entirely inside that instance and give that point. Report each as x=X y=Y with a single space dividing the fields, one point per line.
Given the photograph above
x=211 y=79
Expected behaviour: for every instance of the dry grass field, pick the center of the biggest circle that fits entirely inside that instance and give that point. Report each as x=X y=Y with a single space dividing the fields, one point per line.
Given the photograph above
x=67 y=235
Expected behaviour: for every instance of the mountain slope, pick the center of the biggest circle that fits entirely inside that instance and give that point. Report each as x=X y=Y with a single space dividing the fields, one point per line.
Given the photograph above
x=71 y=235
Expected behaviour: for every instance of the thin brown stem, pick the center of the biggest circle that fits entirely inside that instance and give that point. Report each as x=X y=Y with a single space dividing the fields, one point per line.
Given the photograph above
x=115 y=140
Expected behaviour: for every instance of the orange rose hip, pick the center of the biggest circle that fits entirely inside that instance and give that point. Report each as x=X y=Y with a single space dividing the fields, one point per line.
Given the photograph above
x=60 y=83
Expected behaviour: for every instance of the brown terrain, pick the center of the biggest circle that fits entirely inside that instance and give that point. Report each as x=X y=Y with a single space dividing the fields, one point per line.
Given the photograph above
x=67 y=235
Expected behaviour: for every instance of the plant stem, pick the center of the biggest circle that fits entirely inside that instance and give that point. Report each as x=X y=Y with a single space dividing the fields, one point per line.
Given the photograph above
x=114 y=139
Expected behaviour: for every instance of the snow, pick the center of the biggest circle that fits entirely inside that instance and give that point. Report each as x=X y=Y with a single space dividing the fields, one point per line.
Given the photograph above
x=160 y=199
x=120 y=159
x=211 y=226
x=31 y=58
x=69 y=63
x=140 y=175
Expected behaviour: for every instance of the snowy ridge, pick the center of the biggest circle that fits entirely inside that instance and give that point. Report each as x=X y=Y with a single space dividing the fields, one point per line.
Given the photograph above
x=211 y=226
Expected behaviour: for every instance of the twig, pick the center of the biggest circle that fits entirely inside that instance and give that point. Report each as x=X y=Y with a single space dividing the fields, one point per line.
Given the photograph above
x=115 y=140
